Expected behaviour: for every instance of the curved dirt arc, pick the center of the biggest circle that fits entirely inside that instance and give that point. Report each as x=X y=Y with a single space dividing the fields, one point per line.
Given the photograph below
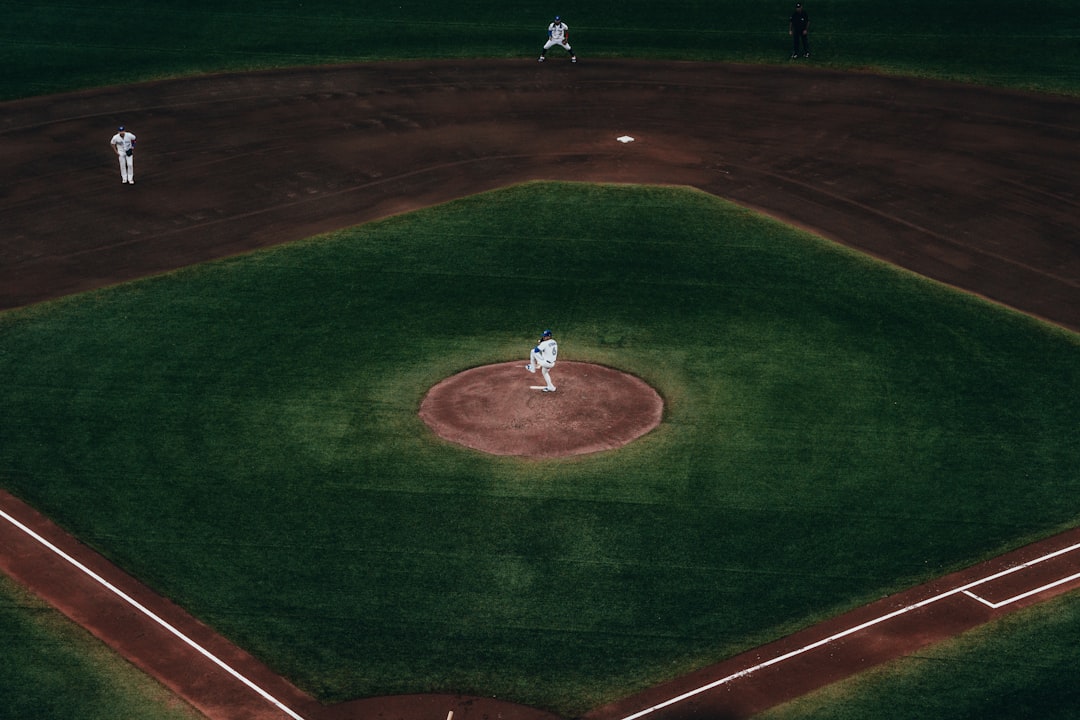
x=501 y=410
x=898 y=168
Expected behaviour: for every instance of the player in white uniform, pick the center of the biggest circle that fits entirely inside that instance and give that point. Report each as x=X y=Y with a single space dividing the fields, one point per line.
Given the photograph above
x=558 y=34
x=543 y=356
x=124 y=144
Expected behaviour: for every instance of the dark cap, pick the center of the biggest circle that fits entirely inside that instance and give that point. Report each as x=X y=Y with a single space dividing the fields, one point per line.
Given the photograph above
x=120 y=128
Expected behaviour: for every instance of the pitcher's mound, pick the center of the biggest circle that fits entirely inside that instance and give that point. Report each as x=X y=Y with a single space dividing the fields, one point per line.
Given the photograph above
x=496 y=409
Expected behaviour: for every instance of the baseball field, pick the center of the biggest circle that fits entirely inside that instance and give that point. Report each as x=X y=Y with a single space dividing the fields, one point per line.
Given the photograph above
x=242 y=435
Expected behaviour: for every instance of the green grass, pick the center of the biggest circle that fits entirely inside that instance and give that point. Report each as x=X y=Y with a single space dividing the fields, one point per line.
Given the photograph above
x=721 y=477
x=52 y=668
x=54 y=46
x=243 y=436
x=1017 y=667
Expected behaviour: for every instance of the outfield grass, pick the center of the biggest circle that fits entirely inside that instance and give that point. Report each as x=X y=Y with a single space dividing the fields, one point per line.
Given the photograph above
x=52 y=46
x=243 y=436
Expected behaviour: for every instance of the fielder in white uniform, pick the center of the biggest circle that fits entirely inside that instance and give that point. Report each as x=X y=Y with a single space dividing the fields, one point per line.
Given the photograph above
x=544 y=356
x=124 y=144
x=558 y=34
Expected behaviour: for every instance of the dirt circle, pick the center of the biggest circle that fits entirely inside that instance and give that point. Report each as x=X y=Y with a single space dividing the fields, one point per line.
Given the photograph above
x=499 y=409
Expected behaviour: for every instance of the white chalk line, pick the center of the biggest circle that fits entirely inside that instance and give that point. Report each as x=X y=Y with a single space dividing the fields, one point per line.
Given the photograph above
x=964 y=589
x=1021 y=596
x=150 y=614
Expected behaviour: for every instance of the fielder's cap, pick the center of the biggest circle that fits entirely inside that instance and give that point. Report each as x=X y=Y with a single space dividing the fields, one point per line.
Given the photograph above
x=120 y=128
x=798 y=5
x=546 y=333
x=558 y=18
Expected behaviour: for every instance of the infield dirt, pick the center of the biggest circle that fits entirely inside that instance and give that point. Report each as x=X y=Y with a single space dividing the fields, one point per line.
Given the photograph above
x=973 y=187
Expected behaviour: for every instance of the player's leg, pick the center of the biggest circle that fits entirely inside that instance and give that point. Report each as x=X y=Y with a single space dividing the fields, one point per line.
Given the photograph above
x=547 y=378
x=547 y=46
x=570 y=50
x=123 y=168
x=534 y=360
x=130 y=168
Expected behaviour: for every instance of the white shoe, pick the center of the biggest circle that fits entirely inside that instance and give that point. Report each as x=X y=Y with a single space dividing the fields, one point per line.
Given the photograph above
x=531 y=369
x=541 y=59
x=548 y=389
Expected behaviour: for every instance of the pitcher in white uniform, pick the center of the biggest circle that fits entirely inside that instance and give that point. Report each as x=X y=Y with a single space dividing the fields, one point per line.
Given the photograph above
x=543 y=356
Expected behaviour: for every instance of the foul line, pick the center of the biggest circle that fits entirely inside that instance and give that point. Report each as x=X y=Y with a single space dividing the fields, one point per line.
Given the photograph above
x=150 y=614
x=876 y=621
x=963 y=589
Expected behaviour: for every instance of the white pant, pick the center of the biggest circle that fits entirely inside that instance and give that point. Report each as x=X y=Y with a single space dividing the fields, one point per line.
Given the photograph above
x=534 y=360
x=552 y=43
x=127 y=167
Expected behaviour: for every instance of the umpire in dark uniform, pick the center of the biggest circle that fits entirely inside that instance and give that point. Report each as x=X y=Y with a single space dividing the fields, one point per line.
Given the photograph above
x=799 y=30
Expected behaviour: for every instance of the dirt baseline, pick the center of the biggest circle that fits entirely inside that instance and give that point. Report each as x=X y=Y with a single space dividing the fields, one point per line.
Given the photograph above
x=970 y=186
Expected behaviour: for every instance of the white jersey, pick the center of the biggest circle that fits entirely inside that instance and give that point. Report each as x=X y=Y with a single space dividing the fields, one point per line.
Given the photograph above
x=548 y=351
x=123 y=143
x=557 y=31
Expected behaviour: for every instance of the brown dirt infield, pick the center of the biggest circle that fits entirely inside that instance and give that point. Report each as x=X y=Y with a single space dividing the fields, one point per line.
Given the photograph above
x=499 y=409
x=970 y=186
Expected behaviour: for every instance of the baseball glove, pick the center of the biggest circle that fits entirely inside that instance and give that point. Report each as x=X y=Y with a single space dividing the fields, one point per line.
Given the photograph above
x=130 y=153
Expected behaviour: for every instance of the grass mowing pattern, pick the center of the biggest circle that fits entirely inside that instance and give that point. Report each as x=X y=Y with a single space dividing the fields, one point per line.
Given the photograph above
x=242 y=435
x=52 y=46
x=55 y=669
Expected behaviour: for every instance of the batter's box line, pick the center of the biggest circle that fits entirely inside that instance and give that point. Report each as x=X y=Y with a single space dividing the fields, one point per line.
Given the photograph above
x=966 y=589
x=1021 y=596
x=962 y=589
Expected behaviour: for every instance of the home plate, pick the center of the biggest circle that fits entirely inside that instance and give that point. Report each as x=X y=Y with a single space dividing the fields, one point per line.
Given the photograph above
x=625 y=139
